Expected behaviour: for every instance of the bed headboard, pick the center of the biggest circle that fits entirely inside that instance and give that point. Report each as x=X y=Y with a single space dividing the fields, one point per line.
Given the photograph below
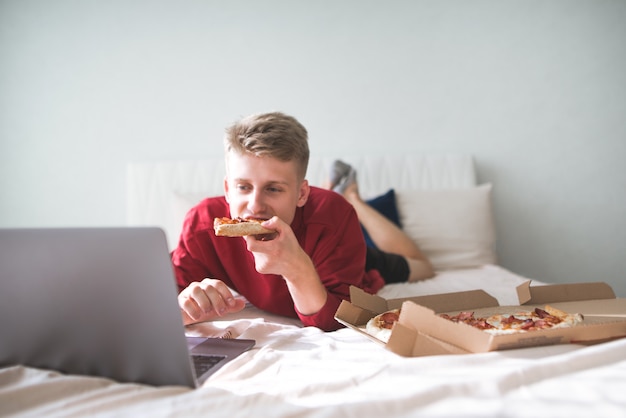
x=160 y=192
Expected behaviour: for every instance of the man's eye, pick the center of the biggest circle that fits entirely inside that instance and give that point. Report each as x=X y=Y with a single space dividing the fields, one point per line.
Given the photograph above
x=243 y=187
x=274 y=189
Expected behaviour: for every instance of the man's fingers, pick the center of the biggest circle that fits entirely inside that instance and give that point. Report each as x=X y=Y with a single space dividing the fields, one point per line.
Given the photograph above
x=201 y=300
x=190 y=308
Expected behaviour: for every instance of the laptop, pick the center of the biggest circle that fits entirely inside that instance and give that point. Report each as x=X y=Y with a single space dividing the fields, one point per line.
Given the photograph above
x=100 y=302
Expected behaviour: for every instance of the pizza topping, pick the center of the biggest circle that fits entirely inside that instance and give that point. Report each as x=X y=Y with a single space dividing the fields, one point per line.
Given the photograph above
x=380 y=325
x=387 y=319
x=519 y=322
x=469 y=319
x=237 y=220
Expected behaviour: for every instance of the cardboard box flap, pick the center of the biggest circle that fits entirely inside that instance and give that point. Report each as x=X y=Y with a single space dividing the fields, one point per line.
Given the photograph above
x=535 y=295
x=372 y=303
x=605 y=308
x=523 y=292
x=402 y=340
x=351 y=314
x=408 y=342
x=457 y=301
x=443 y=302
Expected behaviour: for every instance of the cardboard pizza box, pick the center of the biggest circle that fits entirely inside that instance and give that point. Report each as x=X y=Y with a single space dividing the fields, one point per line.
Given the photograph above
x=420 y=330
x=364 y=306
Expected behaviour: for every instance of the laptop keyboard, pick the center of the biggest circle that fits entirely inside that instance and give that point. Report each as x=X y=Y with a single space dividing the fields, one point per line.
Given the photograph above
x=204 y=363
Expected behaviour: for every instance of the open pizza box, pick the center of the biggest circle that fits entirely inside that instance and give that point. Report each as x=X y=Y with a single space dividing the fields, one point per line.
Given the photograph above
x=421 y=331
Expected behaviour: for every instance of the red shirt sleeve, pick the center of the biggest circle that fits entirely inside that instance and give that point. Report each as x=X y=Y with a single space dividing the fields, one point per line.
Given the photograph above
x=329 y=231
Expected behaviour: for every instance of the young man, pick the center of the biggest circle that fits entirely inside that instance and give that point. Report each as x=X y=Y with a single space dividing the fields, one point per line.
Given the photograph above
x=306 y=269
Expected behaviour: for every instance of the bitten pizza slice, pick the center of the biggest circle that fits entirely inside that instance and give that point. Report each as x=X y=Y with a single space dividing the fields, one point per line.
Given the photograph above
x=239 y=227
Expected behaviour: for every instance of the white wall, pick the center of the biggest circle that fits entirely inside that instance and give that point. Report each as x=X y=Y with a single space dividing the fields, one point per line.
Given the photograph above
x=535 y=90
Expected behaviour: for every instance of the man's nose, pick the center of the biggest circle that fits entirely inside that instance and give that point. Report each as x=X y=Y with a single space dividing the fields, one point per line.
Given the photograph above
x=255 y=202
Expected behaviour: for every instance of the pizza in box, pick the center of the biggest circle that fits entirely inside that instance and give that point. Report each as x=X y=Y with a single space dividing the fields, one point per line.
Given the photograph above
x=548 y=317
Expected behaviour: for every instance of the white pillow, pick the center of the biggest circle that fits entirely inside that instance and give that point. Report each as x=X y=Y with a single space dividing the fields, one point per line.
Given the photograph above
x=453 y=228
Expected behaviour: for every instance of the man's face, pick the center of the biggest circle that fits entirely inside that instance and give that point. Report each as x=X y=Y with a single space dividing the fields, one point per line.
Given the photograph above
x=262 y=187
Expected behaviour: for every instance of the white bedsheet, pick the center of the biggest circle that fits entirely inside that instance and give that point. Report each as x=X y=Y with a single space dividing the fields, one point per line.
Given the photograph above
x=296 y=371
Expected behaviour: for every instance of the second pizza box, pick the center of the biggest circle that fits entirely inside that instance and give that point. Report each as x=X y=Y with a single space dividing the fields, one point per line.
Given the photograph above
x=421 y=331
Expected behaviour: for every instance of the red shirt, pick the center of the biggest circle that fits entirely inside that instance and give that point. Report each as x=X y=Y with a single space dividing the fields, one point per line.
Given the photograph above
x=326 y=227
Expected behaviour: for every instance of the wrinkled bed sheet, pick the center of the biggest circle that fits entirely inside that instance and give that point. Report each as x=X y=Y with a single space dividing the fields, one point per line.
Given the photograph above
x=296 y=371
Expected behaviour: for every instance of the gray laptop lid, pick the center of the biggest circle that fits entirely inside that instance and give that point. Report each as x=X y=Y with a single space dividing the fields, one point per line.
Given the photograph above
x=94 y=301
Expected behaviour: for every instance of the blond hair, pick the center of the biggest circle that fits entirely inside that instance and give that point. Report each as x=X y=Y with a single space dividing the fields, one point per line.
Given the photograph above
x=272 y=134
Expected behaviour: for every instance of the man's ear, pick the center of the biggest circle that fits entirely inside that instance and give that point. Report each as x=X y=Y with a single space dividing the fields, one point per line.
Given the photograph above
x=303 y=194
x=226 y=188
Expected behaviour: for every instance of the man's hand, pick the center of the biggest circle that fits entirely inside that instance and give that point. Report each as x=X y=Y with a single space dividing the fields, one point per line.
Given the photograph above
x=283 y=255
x=279 y=253
x=208 y=299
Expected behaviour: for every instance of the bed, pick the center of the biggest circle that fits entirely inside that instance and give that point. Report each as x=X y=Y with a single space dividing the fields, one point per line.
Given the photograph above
x=296 y=371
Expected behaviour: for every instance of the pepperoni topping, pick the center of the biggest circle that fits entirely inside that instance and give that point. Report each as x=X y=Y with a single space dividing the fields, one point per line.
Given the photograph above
x=526 y=321
x=388 y=319
x=237 y=220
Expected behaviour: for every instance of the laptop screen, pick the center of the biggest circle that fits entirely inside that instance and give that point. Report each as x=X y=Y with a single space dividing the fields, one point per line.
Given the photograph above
x=95 y=301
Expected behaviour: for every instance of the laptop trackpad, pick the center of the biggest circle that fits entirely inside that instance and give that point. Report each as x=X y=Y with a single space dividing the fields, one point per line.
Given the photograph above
x=210 y=354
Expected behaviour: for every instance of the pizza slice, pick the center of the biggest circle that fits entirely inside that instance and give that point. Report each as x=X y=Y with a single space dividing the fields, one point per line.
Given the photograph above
x=239 y=227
